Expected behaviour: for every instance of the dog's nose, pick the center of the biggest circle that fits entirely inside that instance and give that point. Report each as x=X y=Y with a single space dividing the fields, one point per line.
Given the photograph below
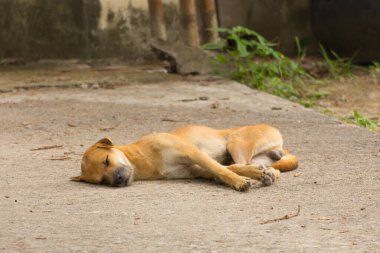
x=119 y=179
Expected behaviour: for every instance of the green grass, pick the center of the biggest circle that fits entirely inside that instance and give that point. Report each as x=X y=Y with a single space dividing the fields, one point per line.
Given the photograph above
x=327 y=111
x=301 y=49
x=251 y=59
x=337 y=66
x=247 y=57
x=361 y=121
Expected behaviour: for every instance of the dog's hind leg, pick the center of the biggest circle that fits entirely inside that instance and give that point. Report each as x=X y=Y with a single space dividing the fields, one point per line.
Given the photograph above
x=245 y=143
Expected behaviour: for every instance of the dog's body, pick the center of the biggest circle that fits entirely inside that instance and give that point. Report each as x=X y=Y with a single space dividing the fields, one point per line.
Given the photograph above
x=232 y=156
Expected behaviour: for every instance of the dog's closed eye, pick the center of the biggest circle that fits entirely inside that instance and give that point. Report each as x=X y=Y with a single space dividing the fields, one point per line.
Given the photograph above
x=106 y=162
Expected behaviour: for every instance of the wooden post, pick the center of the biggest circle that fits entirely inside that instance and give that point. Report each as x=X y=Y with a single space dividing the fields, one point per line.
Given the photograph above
x=188 y=14
x=209 y=21
x=157 y=23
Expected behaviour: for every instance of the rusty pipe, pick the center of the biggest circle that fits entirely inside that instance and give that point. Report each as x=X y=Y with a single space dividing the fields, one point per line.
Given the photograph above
x=209 y=21
x=157 y=22
x=189 y=24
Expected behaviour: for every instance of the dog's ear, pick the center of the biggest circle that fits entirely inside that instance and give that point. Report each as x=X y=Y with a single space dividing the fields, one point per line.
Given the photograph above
x=76 y=179
x=105 y=142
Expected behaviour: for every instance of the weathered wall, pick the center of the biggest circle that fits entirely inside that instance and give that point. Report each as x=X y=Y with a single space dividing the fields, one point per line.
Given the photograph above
x=78 y=28
x=124 y=28
x=278 y=20
x=36 y=29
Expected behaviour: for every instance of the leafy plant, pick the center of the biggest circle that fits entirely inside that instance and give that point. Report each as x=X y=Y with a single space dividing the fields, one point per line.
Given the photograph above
x=327 y=111
x=301 y=49
x=308 y=103
x=252 y=60
x=318 y=95
x=361 y=121
x=337 y=66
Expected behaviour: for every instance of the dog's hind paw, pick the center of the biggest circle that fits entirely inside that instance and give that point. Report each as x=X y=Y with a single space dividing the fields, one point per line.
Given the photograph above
x=270 y=175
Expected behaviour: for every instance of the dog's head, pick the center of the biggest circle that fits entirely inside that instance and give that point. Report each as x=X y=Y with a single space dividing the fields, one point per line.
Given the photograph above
x=102 y=163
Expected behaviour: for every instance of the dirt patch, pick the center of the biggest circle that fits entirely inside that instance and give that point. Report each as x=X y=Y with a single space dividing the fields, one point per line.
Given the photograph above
x=340 y=98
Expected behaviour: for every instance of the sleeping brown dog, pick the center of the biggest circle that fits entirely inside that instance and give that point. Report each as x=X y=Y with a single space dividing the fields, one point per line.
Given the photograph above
x=232 y=156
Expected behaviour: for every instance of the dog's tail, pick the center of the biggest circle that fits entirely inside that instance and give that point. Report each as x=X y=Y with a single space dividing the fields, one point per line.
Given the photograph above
x=287 y=162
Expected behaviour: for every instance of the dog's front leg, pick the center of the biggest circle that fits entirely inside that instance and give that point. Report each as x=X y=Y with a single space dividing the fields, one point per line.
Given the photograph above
x=266 y=175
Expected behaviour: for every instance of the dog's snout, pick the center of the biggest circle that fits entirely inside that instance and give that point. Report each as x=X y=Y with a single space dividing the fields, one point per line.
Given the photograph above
x=119 y=178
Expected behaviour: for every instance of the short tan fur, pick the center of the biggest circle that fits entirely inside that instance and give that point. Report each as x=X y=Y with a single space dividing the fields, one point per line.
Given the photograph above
x=232 y=156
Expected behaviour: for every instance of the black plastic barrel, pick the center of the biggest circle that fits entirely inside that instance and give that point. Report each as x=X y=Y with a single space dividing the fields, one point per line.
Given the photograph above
x=348 y=27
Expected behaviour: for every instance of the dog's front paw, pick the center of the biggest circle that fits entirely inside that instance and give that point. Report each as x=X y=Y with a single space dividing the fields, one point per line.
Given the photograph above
x=242 y=184
x=270 y=175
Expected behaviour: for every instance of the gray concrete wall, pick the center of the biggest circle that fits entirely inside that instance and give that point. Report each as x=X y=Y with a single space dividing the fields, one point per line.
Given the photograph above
x=278 y=20
x=35 y=29
x=79 y=28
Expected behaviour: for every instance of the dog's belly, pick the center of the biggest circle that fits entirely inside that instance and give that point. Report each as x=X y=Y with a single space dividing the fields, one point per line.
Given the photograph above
x=177 y=167
x=216 y=148
x=178 y=172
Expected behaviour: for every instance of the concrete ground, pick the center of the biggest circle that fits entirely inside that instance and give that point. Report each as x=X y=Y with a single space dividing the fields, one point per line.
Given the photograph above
x=336 y=186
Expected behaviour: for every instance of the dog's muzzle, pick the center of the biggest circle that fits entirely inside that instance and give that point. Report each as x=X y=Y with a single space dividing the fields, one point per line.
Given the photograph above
x=122 y=177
